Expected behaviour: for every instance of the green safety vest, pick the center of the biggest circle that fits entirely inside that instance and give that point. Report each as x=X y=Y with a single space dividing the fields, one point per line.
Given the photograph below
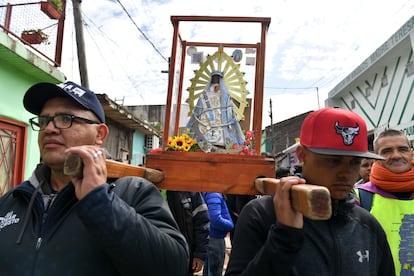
x=397 y=218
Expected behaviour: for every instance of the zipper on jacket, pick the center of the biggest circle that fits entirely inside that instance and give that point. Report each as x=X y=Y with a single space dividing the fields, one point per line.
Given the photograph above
x=337 y=249
x=44 y=218
x=38 y=243
x=40 y=239
x=49 y=202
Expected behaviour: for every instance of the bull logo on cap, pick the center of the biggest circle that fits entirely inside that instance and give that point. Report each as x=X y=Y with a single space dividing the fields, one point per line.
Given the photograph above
x=348 y=133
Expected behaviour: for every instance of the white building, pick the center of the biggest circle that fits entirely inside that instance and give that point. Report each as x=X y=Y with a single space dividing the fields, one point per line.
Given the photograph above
x=381 y=89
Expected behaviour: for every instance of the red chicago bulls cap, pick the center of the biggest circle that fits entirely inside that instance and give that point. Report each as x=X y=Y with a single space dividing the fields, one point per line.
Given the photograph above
x=336 y=131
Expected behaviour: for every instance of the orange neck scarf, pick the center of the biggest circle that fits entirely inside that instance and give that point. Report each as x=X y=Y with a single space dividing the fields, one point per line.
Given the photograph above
x=392 y=182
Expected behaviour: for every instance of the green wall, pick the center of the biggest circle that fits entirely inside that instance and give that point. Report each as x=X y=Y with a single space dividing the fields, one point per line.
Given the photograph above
x=19 y=69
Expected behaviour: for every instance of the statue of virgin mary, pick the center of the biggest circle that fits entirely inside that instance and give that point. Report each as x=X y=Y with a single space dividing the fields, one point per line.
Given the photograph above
x=213 y=123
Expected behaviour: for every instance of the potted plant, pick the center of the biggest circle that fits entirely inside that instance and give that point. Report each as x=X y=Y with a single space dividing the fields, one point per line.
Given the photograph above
x=52 y=8
x=34 y=36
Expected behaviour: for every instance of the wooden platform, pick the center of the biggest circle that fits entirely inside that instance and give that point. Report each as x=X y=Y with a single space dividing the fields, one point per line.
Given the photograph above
x=210 y=172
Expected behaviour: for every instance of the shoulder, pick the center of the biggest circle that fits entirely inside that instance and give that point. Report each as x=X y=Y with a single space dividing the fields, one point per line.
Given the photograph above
x=23 y=189
x=132 y=182
x=259 y=209
x=366 y=218
x=256 y=217
x=208 y=197
x=132 y=188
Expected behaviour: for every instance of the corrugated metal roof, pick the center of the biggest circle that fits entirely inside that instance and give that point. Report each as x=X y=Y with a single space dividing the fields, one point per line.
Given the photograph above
x=122 y=116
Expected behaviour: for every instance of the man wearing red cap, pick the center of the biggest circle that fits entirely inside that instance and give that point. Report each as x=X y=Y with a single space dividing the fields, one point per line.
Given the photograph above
x=55 y=224
x=272 y=238
x=389 y=195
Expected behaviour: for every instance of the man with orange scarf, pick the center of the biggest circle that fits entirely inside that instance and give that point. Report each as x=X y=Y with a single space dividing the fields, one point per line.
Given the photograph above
x=389 y=196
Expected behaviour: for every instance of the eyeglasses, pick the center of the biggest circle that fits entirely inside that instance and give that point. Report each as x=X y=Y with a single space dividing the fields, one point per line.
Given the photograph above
x=60 y=121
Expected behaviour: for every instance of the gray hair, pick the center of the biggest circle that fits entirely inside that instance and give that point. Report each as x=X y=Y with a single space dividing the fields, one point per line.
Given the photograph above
x=388 y=133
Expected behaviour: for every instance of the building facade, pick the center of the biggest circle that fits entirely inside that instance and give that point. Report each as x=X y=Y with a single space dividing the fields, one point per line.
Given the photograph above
x=19 y=69
x=381 y=88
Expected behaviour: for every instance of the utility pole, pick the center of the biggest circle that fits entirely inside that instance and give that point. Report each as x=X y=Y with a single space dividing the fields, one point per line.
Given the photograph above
x=80 y=42
x=271 y=113
x=272 y=135
x=317 y=96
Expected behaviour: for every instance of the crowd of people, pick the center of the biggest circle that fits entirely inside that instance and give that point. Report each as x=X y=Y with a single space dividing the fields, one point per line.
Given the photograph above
x=55 y=224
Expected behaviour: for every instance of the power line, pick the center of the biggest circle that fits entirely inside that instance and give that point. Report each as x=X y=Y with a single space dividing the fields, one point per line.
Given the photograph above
x=143 y=34
x=290 y=88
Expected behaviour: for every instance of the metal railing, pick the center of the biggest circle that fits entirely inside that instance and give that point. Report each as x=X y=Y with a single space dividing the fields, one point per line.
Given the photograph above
x=39 y=25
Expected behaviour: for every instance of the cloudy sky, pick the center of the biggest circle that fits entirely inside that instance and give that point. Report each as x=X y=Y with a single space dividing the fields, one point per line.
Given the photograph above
x=311 y=45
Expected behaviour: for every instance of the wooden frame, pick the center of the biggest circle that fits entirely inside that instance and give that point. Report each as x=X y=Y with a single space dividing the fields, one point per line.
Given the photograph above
x=259 y=71
x=199 y=171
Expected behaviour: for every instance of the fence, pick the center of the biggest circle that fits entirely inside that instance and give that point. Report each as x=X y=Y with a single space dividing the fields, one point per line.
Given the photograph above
x=39 y=25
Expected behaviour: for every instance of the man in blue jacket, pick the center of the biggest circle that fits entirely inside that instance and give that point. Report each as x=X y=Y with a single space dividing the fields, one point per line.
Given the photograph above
x=220 y=224
x=53 y=224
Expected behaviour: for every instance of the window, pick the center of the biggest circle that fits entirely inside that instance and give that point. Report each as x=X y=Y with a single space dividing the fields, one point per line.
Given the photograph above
x=12 y=153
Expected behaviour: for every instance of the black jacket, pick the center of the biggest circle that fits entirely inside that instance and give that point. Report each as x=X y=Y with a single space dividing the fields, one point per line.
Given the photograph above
x=351 y=242
x=120 y=229
x=191 y=213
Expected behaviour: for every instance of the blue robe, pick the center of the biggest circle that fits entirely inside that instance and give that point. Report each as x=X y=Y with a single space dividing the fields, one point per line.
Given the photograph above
x=213 y=123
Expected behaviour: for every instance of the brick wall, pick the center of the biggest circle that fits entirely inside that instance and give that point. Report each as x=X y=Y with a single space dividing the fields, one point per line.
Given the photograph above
x=283 y=134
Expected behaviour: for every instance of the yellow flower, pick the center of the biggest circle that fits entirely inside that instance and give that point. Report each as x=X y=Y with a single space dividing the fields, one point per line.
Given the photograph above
x=171 y=142
x=187 y=147
x=181 y=143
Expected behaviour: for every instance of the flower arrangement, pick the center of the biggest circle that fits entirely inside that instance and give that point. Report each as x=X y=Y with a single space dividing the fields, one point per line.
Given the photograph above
x=186 y=143
x=34 y=36
x=181 y=143
x=247 y=148
x=57 y=3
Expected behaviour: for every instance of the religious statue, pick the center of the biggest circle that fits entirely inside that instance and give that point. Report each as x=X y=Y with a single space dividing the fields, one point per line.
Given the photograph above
x=213 y=123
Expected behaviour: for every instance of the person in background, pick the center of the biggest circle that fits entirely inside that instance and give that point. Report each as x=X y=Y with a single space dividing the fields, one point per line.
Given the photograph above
x=365 y=170
x=191 y=213
x=235 y=204
x=272 y=238
x=389 y=195
x=298 y=169
x=220 y=225
x=282 y=172
x=54 y=224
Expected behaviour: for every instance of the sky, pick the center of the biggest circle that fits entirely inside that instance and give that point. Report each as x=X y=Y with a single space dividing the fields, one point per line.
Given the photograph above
x=311 y=45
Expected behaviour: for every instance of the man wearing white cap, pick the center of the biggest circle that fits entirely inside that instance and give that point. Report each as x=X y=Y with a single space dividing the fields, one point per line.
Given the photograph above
x=272 y=238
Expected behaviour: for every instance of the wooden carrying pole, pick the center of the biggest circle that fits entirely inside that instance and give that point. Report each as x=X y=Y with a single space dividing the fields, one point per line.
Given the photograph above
x=74 y=167
x=312 y=201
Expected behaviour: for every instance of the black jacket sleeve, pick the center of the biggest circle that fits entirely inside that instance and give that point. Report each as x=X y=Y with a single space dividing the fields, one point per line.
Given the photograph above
x=260 y=245
x=201 y=227
x=134 y=226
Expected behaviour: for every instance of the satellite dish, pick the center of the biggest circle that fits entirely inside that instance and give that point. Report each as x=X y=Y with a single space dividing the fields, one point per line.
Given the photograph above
x=191 y=50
